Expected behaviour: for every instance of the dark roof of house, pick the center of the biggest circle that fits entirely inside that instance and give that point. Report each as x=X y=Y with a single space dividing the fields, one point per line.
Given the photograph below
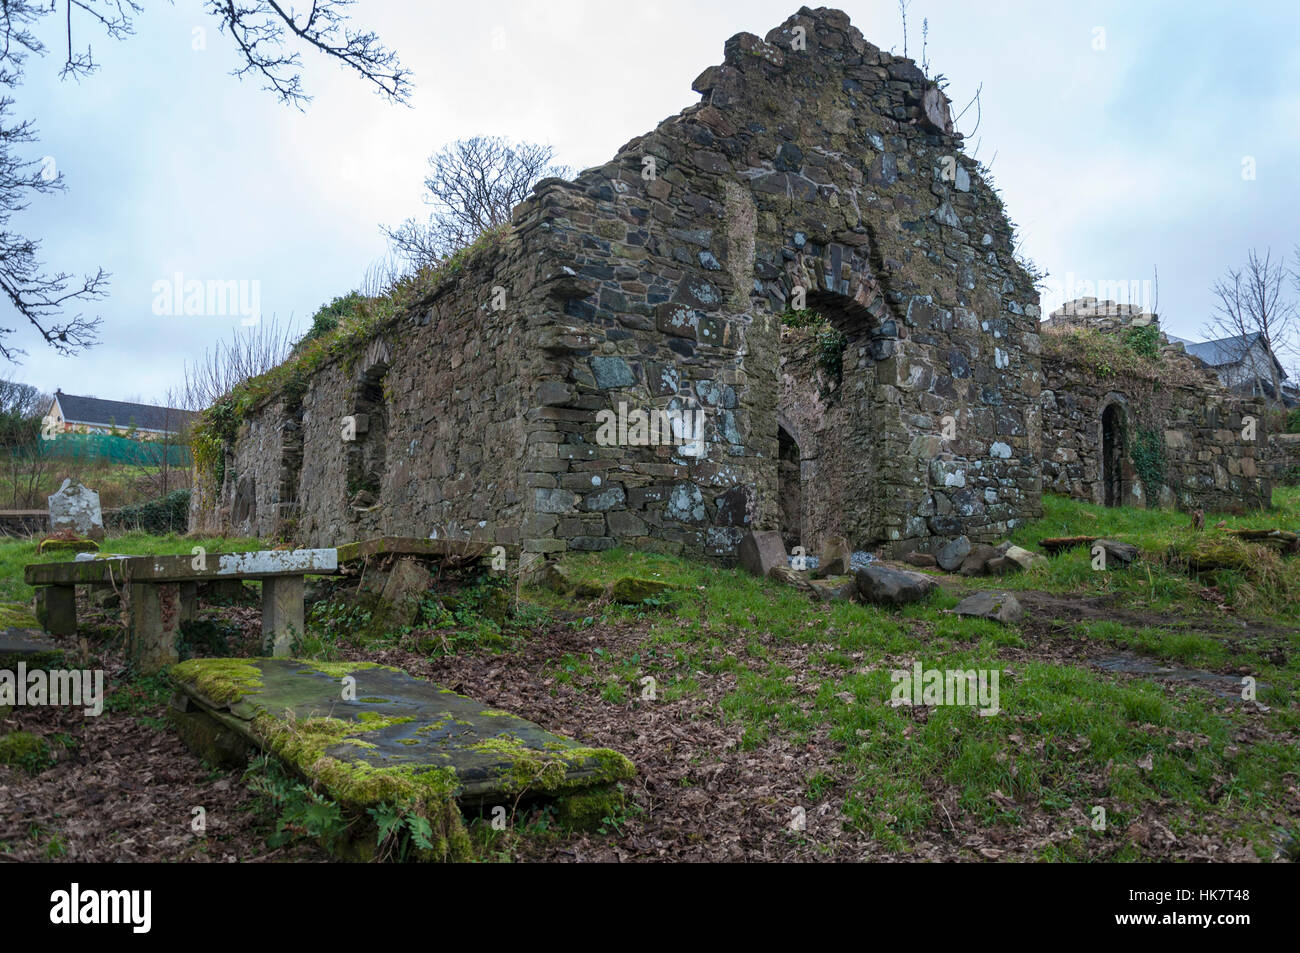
x=1223 y=351
x=122 y=414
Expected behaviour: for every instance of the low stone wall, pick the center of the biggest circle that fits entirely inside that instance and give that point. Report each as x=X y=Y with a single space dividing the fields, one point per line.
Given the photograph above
x=1284 y=458
x=1178 y=438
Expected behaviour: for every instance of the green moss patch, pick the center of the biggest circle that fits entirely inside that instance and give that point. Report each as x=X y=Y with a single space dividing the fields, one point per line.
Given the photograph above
x=384 y=738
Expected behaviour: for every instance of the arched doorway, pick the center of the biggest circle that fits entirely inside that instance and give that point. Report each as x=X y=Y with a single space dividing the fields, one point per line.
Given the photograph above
x=1113 y=450
x=790 y=489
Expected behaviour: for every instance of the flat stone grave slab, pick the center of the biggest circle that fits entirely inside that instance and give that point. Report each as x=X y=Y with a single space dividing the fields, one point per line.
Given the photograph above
x=393 y=736
x=1225 y=686
x=27 y=646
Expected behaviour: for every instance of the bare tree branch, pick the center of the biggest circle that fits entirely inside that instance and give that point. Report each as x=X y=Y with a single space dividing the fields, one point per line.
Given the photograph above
x=473 y=185
x=1256 y=322
x=259 y=29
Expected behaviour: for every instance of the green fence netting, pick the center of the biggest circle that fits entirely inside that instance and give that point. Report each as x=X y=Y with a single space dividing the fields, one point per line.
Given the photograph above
x=106 y=448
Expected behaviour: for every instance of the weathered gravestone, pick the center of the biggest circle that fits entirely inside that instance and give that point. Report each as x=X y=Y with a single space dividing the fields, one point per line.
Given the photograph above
x=76 y=507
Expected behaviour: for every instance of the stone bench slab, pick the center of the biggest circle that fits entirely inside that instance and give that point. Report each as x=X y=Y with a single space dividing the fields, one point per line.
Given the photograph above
x=397 y=725
x=262 y=564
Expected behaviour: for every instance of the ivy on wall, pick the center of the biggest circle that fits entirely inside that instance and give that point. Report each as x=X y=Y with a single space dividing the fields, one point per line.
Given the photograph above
x=1147 y=451
x=830 y=344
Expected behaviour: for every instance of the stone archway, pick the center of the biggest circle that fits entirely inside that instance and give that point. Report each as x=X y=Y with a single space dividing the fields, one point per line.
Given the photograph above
x=1114 y=453
x=829 y=405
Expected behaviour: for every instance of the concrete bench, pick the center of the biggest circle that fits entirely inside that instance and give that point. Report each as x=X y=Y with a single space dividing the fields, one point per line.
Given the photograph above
x=162 y=592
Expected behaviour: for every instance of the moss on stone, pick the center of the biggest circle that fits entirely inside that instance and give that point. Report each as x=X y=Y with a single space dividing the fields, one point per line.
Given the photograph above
x=586 y=810
x=341 y=669
x=429 y=792
x=15 y=615
x=634 y=591
x=220 y=680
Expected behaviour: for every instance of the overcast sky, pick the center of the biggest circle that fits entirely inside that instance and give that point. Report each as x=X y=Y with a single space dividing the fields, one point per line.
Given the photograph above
x=1118 y=133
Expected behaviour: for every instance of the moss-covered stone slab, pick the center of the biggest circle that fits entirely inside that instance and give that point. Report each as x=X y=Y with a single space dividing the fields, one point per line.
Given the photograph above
x=390 y=737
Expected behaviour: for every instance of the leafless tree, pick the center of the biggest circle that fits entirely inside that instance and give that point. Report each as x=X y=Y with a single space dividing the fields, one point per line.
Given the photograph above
x=473 y=185
x=1253 y=309
x=22 y=400
x=251 y=351
x=25 y=460
x=269 y=38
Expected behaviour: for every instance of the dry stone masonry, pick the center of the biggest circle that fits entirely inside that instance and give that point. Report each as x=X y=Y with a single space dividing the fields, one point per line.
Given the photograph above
x=818 y=176
x=1164 y=432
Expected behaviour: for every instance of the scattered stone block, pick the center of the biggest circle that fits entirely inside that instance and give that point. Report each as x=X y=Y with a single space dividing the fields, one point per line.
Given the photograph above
x=953 y=553
x=633 y=591
x=834 y=556
x=881 y=585
x=921 y=560
x=977 y=562
x=999 y=606
x=760 y=551
x=75 y=507
x=835 y=589
x=1058 y=544
x=1024 y=558
x=1117 y=552
x=554 y=577
x=1000 y=565
x=791 y=578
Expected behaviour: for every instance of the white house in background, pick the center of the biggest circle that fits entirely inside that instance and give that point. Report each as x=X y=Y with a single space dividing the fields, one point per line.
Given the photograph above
x=1243 y=364
x=73 y=414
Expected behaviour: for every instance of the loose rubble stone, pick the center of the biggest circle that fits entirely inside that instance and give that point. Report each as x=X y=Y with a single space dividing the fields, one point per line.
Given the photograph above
x=633 y=591
x=760 y=552
x=1024 y=558
x=834 y=557
x=977 y=562
x=998 y=606
x=883 y=585
x=952 y=554
x=1117 y=553
x=921 y=560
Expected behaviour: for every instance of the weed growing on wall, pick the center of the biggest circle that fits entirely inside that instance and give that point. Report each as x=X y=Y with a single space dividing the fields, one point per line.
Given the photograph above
x=831 y=344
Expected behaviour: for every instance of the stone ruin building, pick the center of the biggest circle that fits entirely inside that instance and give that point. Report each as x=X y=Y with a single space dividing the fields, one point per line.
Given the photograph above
x=1167 y=433
x=817 y=175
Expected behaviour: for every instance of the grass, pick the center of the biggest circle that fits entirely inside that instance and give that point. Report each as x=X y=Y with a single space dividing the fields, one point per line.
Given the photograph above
x=1269 y=591
x=1067 y=739
x=15 y=554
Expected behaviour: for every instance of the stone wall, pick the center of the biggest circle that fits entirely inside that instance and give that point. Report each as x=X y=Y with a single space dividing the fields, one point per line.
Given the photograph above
x=818 y=173
x=1181 y=438
x=437 y=400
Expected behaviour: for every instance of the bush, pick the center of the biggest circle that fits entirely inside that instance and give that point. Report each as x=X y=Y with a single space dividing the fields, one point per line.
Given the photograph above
x=170 y=514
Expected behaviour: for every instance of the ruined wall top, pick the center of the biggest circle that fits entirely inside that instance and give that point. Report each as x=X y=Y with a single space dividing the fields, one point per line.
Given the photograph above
x=1101 y=315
